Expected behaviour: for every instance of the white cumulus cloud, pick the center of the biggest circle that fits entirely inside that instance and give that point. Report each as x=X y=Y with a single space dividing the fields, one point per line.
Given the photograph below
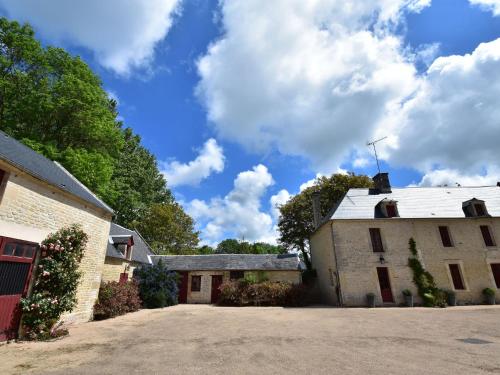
x=454 y=120
x=239 y=213
x=491 y=5
x=209 y=160
x=453 y=177
x=121 y=34
x=311 y=78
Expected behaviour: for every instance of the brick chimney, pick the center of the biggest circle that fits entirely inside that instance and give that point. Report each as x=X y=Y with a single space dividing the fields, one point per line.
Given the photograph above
x=381 y=183
x=316 y=203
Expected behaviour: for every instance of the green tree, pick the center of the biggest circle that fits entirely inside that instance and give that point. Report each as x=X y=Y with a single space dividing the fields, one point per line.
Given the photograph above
x=296 y=223
x=205 y=250
x=233 y=246
x=53 y=102
x=136 y=183
x=169 y=230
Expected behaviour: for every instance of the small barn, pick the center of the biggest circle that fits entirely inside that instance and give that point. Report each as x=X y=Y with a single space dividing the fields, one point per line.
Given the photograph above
x=202 y=275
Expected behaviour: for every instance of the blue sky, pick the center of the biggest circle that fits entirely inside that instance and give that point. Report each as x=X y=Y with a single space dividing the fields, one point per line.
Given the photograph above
x=243 y=102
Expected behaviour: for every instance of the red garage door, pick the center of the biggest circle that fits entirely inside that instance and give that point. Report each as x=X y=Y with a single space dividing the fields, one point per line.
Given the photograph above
x=16 y=263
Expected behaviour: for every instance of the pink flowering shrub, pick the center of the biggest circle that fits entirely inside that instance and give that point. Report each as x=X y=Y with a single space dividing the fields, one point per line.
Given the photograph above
x=56 y=280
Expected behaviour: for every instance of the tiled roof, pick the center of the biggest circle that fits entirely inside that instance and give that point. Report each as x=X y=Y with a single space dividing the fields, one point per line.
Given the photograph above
x=141 y=249
x=418 y=202
x=38 y=166
x=256 y=262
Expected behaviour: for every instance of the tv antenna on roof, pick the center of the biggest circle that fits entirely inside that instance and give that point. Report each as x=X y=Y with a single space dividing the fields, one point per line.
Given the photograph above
x=375 y=150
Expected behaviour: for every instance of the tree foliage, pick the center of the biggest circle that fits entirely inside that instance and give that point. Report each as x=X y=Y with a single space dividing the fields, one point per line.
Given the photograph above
x=233 y=246
x=157 y=286
x=169 y=230
x=55 y=104
x=296 y=222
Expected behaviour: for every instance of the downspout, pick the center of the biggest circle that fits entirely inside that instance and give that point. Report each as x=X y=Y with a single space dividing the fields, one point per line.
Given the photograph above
x=337 y=271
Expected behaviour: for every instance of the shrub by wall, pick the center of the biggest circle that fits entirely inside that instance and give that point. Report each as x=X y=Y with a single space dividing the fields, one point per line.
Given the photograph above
x=157 y=286
x=117 y=299
x=55 y=282
x=267 y=293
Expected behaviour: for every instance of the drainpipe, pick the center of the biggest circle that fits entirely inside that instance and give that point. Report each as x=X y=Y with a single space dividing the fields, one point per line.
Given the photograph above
x=337 y=272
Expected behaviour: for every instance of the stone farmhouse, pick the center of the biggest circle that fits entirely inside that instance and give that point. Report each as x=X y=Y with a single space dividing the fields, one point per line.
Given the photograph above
x=37 y=197
x=201 y=275
x=126 y=251
x=362 y=245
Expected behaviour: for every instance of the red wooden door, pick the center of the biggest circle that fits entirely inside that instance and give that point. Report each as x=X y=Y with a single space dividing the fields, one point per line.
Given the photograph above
x=16 y=263
x=385 y=284
x=216 y=283
x=183 y=287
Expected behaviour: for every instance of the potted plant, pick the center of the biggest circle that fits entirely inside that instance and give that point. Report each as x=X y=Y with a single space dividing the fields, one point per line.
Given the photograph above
x=370 y=298
x=408 y=297
x=490 y=296
x=451 y=298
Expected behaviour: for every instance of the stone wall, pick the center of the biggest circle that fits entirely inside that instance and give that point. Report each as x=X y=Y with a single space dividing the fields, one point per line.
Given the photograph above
x=358 y=264
x=30 y=209
x=113 y=267
x=204 y=295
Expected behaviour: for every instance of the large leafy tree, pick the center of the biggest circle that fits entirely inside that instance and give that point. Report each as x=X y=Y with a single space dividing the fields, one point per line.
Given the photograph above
x=233 y=246
x=55 y=104
x=169 y=230
x=296 y=223
x=136 y=183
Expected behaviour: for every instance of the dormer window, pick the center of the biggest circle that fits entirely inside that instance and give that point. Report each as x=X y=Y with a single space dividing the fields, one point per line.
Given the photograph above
x=125 y=245
x=386 y=209
x=3 y=181
x=474 y=208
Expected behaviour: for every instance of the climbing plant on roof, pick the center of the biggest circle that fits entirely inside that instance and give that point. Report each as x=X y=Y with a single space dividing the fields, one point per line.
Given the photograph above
x=431 y=295
x=56 y=280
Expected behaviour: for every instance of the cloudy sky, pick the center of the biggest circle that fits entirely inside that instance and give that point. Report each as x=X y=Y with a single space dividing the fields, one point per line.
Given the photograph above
x=244 y=102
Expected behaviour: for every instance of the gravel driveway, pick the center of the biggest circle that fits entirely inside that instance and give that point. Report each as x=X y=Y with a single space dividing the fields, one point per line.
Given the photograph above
x=201 y=339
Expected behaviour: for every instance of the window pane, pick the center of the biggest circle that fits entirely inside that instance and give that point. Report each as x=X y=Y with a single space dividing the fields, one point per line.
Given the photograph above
x=445 y=236
x=235 y=275
x=456 y=277
x=18 y=252
x=29 y=251
x=487 y=237
x=495 y=268
x=376 y=239
x=9 y=249
x=195 y=283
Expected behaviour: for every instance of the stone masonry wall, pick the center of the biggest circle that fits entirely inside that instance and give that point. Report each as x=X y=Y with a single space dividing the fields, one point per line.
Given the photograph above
x=357 y=263
x=113 y=267
x=204 y=295
x=30 y=209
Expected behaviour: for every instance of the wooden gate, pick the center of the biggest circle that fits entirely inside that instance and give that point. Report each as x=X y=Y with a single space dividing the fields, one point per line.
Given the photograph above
x=16 y=264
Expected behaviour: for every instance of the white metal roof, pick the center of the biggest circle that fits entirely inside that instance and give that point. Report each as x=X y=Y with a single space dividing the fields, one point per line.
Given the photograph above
x=419 y=202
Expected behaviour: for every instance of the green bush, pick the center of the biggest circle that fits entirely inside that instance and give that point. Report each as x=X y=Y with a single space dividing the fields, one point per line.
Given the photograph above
x=267 y=293
x=488 y=292
x=55 y=283
x=117 y=299
x=157 y=285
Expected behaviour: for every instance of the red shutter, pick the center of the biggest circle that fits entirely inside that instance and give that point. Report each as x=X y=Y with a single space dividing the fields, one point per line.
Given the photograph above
x=391 y=210
x=376 y=239
x=445 y=236
x=488 y=239
x=456 y=276
x=479 y=209
x=495 y=268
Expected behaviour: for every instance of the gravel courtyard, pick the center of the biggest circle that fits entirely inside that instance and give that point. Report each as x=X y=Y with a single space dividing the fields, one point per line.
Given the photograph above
x=200 y=339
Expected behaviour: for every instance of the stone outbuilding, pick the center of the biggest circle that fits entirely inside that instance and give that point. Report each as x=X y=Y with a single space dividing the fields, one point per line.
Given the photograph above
x=126 y=250
x=38 y=197
x=362 y=245
x=202 y=275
